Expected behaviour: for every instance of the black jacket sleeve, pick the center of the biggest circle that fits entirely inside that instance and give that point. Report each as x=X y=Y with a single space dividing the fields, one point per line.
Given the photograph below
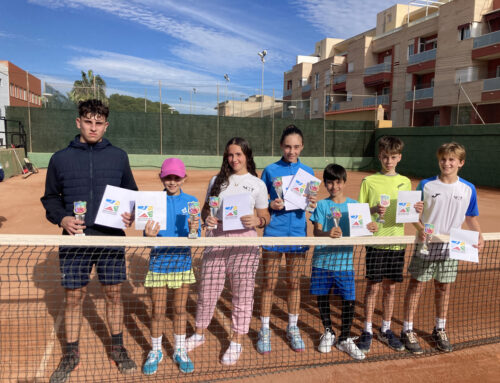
x=52 y=199
x=128 y=181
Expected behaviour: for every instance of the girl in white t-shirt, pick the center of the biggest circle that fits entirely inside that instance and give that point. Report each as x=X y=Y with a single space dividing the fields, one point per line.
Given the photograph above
x=236 y=176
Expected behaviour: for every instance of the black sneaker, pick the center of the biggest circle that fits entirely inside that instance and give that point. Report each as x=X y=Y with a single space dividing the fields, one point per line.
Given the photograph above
x=120 y=356
x=441 y=339
x=410 y=341
x=365 y=341
x=68 y=363
x=391 y=340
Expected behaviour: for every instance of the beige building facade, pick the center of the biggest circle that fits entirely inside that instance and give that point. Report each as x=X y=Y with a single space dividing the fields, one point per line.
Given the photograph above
x=437 y=64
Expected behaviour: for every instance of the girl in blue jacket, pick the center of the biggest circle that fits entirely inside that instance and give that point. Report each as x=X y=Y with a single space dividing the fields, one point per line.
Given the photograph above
x=284 y=223
x=170 y=267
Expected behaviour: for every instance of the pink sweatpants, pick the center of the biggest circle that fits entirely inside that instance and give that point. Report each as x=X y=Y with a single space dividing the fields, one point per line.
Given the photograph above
x=240 y=264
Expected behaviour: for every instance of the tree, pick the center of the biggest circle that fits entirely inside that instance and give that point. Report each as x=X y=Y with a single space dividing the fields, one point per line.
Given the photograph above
x=122 y=103
x=90 y=86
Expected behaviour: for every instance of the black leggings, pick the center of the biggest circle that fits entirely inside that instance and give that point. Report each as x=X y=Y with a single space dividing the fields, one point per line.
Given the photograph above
x=347 y=315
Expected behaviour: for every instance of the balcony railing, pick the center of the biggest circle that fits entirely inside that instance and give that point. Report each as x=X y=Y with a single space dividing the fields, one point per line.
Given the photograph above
x=335 y=106
x=376 y=100
x=422 y=57
x=491 y=84
x=488 y=39
x=420 y=94
x=379 y=68
x=339 y=78
x=287 y=92
x=306 y=88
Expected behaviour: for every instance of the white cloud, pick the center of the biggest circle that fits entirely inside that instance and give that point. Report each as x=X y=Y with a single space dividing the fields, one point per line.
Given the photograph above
x=218 y=45
x=342 y=18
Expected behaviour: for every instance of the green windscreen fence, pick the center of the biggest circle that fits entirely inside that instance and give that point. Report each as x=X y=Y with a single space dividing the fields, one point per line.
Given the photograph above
x=142 y=133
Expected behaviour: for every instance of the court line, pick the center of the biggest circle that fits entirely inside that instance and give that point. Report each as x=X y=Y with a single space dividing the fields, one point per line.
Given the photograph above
x=49 y=349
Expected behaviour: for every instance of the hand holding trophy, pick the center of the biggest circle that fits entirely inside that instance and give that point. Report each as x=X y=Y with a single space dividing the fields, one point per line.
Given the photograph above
x=193 y=210
x=214 y=204
x=80 y=208
x=312 y=190
x=429 y=231
x=385 y=201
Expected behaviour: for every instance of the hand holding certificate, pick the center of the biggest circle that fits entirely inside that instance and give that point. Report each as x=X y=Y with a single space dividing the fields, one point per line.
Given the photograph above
x=405 y=211
x=359 y=218
x=464 y=245
x=115 y=201
x=234 y=207
x=296 y=194
x=150 y=206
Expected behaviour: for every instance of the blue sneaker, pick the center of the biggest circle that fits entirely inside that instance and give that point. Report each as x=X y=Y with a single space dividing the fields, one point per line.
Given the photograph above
x=296 y=342
x=365 y=341
x=264 y=342
x=151 y=365
x=182 y=359
x=391 y=340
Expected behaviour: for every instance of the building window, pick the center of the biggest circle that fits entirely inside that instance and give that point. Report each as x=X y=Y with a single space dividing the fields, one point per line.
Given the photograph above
x=12 y=90
x=349 y=97
x=315 y=105
x=316 y=81
x=327 y=78
x=350 y=67
x=289 y=84
x=389 y=17
x=464 y=32
x=304 y=81
x=498 y=71
x=327 y=103
x=411 y=50
x=466 y=74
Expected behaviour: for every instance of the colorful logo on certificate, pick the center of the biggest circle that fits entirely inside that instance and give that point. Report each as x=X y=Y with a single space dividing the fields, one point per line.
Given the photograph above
x=144 y=212
x=404 y=207
x=357 y=220
x=231 y=211
x=299 y=187
x=111 y=206
x=458 y=246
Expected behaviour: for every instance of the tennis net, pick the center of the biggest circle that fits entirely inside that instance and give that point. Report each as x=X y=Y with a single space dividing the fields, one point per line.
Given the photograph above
x=34 y=324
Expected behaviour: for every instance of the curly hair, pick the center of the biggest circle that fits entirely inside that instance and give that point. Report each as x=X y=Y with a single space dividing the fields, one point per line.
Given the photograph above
x=222 y=179
x=92 y=107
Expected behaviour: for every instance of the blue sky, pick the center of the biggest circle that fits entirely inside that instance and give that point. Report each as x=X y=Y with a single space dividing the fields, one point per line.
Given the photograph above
x=185 y=44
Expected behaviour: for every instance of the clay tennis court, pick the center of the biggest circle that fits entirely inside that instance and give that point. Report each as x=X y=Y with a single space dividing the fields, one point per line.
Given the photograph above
x=35 y=297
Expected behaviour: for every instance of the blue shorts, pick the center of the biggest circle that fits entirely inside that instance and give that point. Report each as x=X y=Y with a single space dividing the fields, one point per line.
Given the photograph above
x=286 y=249
x=76 y=265
x=323 y=280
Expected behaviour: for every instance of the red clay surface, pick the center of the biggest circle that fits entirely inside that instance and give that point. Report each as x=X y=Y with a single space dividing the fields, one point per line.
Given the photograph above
x=30 y=309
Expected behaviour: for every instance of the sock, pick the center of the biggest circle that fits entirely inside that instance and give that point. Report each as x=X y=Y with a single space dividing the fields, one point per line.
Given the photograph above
x=197 y=337
x=265 y=322
x=324 y=311
x=386 y=325
x=235 y=346
x=407 y=326
x=440 y=323
x=73 y=346
x=292 y=319
x=180 y=341
x=117 y=339
x=346 y=317
x=156 y=343
x=368 y=327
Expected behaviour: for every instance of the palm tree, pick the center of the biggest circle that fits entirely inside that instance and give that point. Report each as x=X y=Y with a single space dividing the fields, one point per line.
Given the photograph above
x=90 y=86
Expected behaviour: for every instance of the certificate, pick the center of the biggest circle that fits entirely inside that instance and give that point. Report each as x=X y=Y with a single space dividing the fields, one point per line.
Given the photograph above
x=150 y=206
x=405 y=209
x=460 y=245
x=297 y=191
x=115 y=201
x=359 y=217
x=233 y=208
x=286 y=184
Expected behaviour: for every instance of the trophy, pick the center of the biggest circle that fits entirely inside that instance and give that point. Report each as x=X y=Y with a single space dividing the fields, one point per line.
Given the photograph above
x=214 y=204
x=385 y=201
x=312 y=190
x=193 y=210
x=80 y=208
x=336 y=214
x=278 y=186
x=429 y=230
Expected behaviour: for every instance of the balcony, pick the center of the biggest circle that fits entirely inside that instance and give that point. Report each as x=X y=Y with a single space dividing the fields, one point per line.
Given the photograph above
x=306 y=88
x=420 y=94
x=287 y=93
x=487 y=46
x=339 y=78
x=422 y=57
x=383 y=99
x=378 y=74
x=491 y=89
x=334 y=107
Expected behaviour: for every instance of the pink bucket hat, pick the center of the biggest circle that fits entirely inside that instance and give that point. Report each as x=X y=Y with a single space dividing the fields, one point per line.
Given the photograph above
x=173 y=166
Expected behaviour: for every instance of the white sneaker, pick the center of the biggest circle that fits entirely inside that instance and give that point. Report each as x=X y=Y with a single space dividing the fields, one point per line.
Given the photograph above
x=232 y=354
x=348 y=346
x=194 y=341
x=326 y=341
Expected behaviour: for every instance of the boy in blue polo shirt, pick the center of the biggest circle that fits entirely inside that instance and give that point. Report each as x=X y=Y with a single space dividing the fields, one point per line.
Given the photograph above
x=332 y=266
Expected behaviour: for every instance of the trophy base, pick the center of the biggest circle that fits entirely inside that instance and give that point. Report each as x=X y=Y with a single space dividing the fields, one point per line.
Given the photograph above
x=310 y=209
x=193 y=235
x=380 y=220
x=80 y=235
x=424 y=252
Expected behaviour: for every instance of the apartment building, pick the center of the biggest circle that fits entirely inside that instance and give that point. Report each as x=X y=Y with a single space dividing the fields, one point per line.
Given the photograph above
x=253 y=106
x=431 y=64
